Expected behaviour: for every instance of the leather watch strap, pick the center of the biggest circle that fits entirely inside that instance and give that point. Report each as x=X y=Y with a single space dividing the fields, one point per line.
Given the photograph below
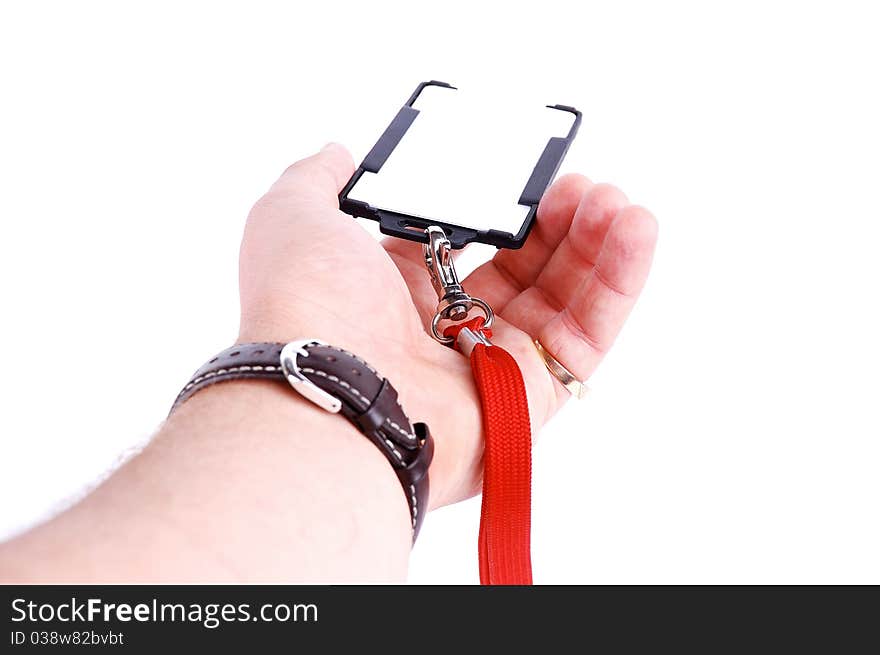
x=364 y=397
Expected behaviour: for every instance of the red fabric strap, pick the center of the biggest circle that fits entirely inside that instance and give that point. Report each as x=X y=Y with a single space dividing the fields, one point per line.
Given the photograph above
x=505 y=519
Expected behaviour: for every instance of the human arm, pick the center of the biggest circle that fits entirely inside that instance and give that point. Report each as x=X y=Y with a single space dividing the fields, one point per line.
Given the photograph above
x=248 y=482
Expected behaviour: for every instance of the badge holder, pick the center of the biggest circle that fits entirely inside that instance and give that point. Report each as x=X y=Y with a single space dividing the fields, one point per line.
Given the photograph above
x=504 y=538
x=410 y=225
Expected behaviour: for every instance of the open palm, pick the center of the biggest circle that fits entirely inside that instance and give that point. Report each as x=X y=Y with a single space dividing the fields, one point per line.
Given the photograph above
x=308 y=270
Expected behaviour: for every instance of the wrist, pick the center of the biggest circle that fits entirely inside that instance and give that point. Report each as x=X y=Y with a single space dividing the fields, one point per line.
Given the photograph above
x=339 y=382
x=303 y=474
x=239 y=485
x=425 y=376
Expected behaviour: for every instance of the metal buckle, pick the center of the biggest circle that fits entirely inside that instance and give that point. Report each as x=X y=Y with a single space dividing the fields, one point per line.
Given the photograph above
x=300 y=382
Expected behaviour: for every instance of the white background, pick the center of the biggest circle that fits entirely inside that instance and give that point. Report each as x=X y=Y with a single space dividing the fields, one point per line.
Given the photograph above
x=732 y=434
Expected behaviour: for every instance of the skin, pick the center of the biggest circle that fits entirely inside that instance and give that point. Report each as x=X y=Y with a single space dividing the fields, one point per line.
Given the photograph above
x=247 y=482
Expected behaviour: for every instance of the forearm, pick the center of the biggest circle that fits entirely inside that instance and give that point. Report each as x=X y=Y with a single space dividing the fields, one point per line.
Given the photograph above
x=246 y=482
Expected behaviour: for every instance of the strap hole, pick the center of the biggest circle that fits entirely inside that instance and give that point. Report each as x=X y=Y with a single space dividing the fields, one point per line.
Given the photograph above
x=258 y=352
x=331 y=358
x=355 y=371
x=213 y=360
x=234 y=354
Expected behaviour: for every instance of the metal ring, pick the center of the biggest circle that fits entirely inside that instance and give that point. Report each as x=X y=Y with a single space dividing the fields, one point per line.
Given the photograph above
x=566 y=378
x=490 y=315
x=434 y=333
x=479 y=302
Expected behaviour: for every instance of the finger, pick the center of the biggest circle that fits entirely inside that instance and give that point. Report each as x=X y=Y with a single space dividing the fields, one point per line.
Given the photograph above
x=507 y=274
x=316 y=179
x=580 y=334
x=570 y=264
x=555 y=214
x=573 y=260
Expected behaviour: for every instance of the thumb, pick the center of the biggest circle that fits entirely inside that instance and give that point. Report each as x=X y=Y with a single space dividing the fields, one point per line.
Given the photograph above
x=318 y=178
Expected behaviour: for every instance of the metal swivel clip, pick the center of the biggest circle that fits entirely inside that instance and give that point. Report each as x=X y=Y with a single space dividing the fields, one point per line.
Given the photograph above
x=455 y=304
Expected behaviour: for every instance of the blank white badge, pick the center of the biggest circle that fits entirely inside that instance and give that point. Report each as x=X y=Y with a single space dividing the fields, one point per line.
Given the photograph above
x=466 y=158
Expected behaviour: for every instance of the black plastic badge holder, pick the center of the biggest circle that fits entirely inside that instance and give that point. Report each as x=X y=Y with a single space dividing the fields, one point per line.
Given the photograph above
x=410 y=227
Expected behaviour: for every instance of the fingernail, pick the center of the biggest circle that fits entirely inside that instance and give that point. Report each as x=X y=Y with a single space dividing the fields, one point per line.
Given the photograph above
x=329 y=145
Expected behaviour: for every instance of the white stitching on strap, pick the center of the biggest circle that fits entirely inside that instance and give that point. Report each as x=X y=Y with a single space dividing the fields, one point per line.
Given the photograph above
x=405 y=415
x=400 y=429
x=361 y=397
x=394 y=450
x=415 y=509
x=224 y=371
x=270 y=369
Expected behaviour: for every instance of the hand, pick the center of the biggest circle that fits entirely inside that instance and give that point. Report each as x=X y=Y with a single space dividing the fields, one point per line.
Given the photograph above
x=228 y=491
x=309 y=270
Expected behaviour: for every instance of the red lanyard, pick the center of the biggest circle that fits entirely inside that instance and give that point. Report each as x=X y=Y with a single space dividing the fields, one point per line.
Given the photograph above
x=505 y=517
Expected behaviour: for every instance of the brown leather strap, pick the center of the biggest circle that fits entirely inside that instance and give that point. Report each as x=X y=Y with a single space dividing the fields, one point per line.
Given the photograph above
x=369 y=402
